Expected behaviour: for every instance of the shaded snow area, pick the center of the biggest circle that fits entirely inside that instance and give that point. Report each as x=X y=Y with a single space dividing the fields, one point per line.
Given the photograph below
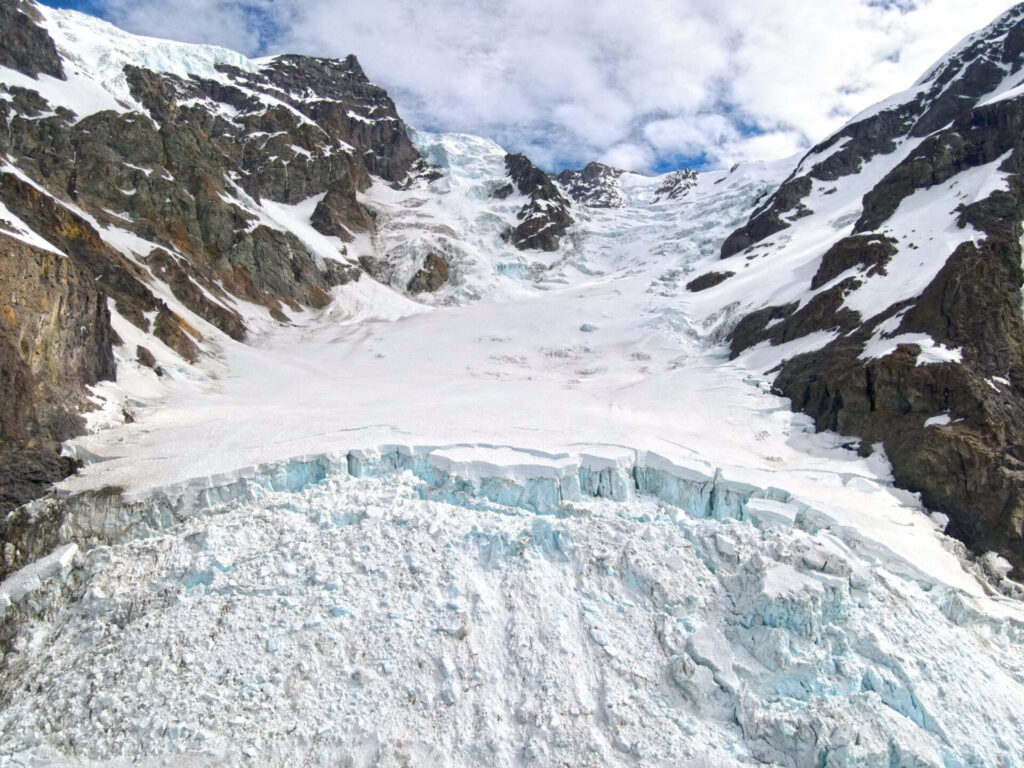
x=406 y=615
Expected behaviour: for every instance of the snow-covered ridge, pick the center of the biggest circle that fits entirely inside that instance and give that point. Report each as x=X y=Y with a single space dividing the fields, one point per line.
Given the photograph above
x=100 y=51
x=992 y=36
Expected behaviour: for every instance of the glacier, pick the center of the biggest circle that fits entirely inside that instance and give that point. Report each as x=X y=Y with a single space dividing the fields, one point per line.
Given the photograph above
x=494 y=544
x=497 y=542
x=536 y=517
x=404 y=607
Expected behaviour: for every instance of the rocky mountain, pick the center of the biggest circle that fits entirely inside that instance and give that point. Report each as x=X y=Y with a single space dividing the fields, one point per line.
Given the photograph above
x=171 y=195
x=924 y=255
x=325 y=440
x=597 y=186
x=545 y=218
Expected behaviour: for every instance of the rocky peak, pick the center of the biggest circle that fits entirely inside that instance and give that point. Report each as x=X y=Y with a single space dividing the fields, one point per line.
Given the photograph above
x=596 y=186
x=545 y=218
x=676 y=185
x=325 y=78
x=985 y=62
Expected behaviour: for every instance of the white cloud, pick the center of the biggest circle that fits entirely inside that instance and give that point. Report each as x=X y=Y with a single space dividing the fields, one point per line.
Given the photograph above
x=229 y=23
x=628 y=155
x=572 y=80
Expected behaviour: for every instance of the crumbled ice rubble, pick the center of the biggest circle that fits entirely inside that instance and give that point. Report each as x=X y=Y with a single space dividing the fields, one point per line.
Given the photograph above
x=23 y=583
x=353 y=621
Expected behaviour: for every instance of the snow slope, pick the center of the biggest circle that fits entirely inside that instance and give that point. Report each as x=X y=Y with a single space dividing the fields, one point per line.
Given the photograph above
x=597 y=344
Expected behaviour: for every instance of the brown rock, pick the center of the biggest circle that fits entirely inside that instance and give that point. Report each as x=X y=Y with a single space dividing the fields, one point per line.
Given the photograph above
x=431 y=277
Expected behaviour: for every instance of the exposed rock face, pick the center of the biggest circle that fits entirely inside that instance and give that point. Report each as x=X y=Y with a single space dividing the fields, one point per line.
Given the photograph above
x=869 y=252
x=970 y=468
x=431 y=277
x=183 y=175
x=339 y=98
x=779 y=324
x=545 y=218
x=55 y=340
x=596 y=186
x=24 y=45
x=774 y=215
x=340 y=214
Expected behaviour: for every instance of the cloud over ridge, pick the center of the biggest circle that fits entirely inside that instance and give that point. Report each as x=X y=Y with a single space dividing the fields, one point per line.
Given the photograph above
x=646 y=84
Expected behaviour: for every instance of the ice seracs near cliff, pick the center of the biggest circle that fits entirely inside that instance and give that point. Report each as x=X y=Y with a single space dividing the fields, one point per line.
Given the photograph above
x=404 y=451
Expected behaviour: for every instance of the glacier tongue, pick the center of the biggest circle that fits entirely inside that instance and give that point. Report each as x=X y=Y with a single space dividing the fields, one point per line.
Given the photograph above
x=397 y=607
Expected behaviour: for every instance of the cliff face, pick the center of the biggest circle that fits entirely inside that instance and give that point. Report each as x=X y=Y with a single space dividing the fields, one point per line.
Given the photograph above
x=55 y=340
x=155 y=205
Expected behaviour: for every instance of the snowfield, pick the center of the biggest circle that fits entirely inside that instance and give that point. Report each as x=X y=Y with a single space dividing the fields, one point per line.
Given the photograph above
x=595 y=348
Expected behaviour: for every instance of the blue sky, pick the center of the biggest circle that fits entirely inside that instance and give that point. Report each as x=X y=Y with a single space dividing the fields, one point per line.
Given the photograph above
x=650 y=85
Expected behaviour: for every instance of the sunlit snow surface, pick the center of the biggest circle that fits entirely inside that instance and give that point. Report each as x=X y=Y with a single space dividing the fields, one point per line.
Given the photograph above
x=598 y=344
x=484 y=608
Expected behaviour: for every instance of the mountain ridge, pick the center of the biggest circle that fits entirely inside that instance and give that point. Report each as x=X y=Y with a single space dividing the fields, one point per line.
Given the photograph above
x=961 y=115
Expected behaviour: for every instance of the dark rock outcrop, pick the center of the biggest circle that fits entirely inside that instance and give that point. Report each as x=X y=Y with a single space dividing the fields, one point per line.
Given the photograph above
x=545 y=218
x=26 y=473
x=779 y=324
x=431 y=276
x=871 y=252
x=773 y=216
x=195 y=292
x=596 y=186
x=708 y=280
x=24 y=45
x=503 y=192
x=340 y=214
